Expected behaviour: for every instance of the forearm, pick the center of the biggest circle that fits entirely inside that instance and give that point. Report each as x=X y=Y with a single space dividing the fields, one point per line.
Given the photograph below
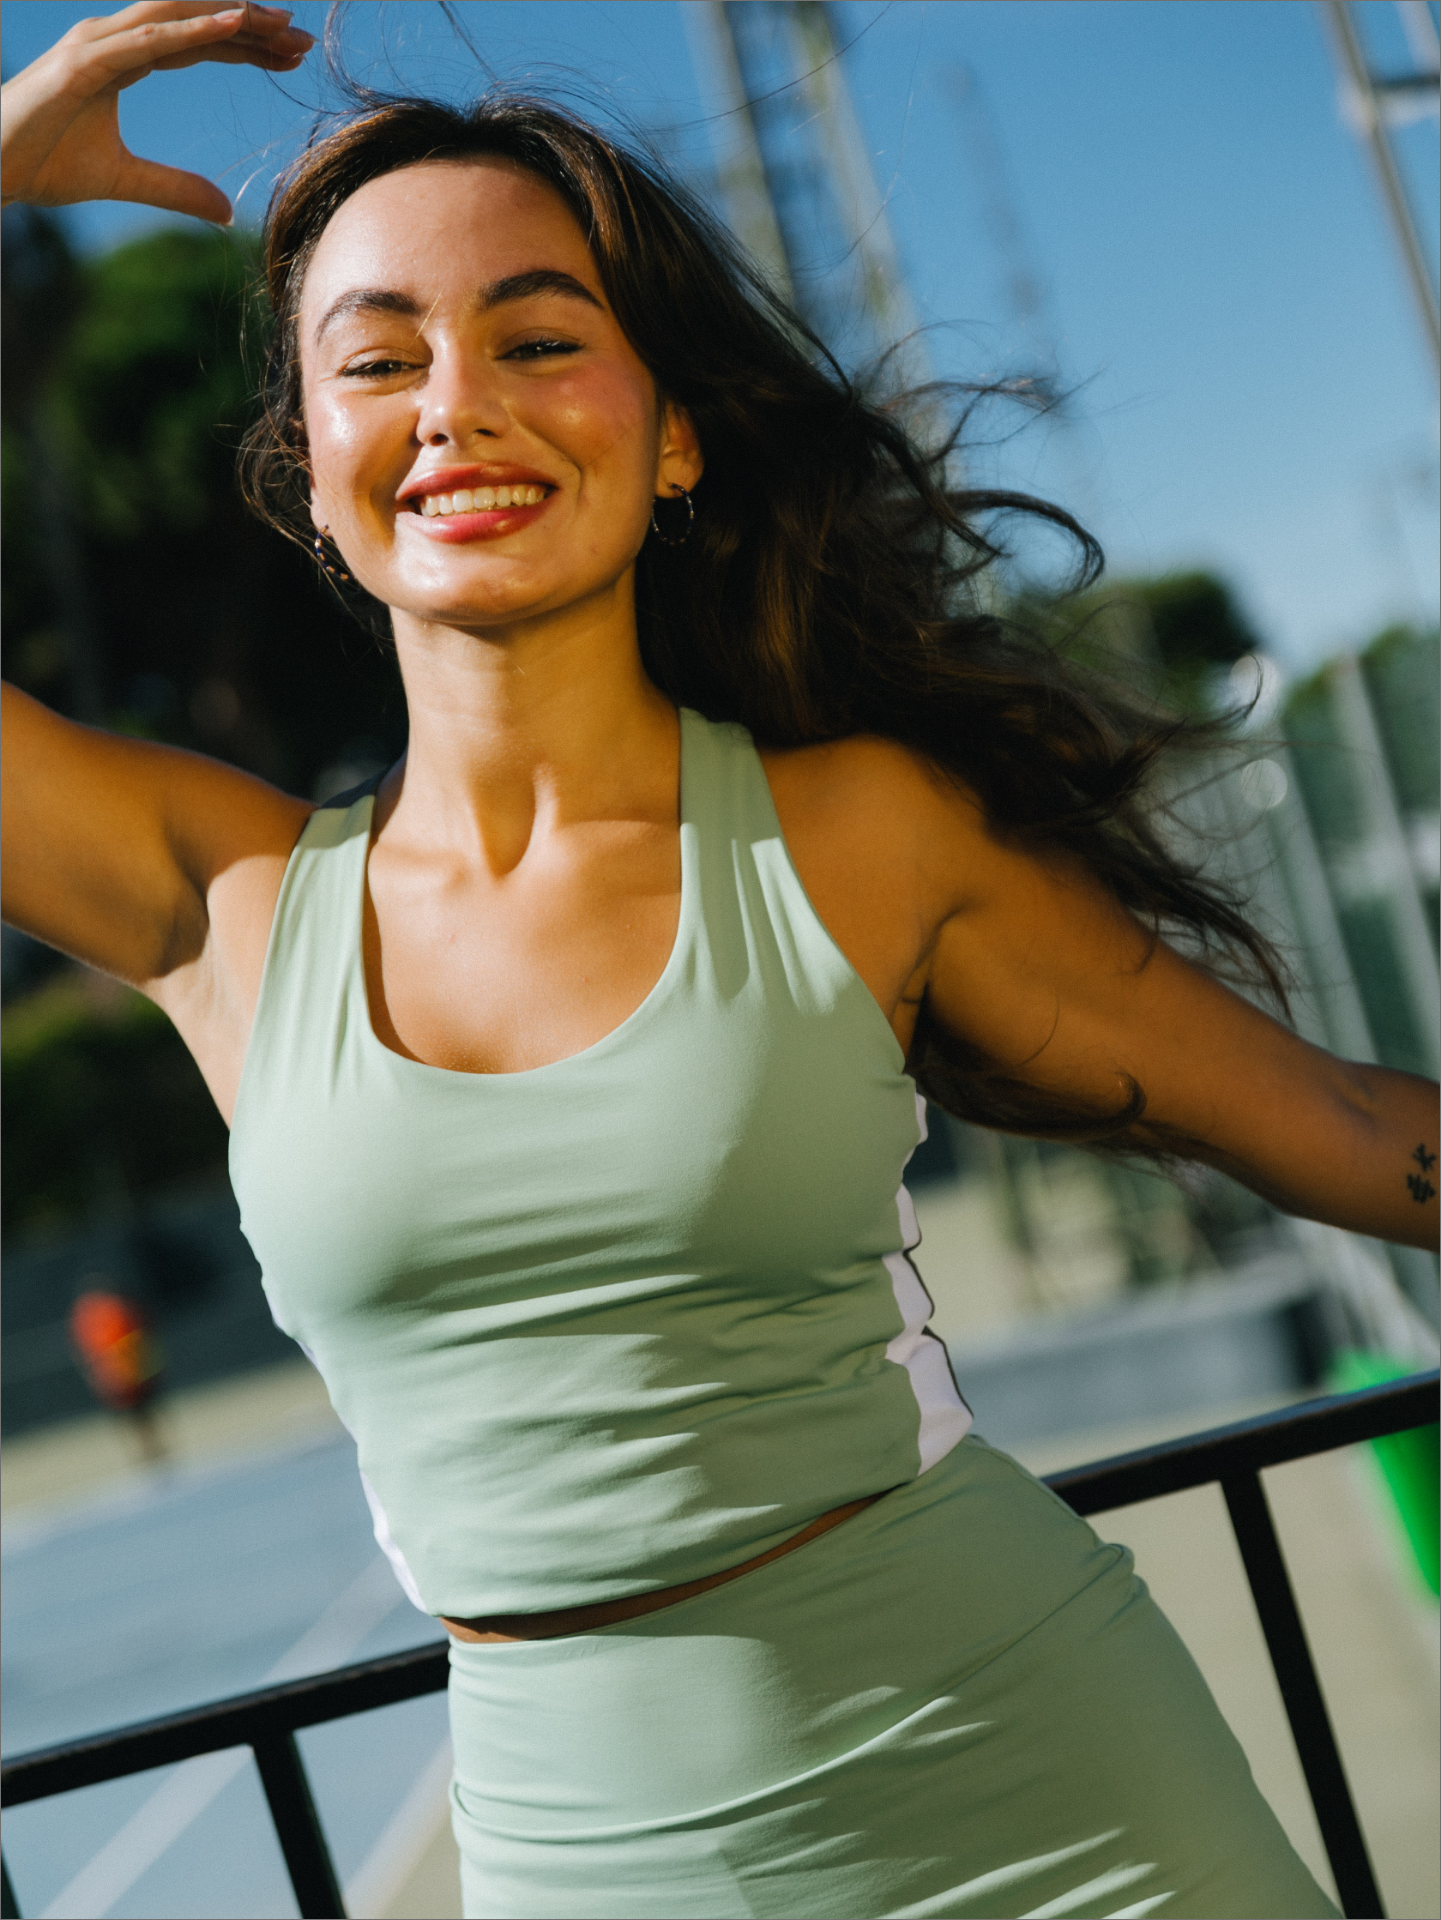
x=1364 y=1158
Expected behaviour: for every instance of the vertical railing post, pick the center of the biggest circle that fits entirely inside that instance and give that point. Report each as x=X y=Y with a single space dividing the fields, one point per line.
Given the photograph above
x=297 y=1827
x=1301 y=1691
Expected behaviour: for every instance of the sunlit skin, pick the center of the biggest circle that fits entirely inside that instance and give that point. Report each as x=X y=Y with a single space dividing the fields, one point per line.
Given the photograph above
x=529 y=837
x=481 y=372
x=524 y=880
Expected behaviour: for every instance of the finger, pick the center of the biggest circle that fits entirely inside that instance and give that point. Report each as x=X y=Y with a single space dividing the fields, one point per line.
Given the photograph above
x=153 y=185
x=129 y=56
x=272 y=30
x=150 y=13
x=234 y=53
x=135 y=52
x=255 y=26
x=282 y=52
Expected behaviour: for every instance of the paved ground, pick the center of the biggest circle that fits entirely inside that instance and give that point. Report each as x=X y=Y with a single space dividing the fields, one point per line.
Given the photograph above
x=80 y=1459
x=209 y=1580
x=128 y=1594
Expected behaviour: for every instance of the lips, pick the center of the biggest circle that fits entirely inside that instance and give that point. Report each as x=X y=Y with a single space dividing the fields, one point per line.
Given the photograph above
x=485 y=510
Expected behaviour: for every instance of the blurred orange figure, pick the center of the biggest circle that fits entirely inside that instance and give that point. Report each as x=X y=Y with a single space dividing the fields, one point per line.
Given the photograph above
x=120 y=1358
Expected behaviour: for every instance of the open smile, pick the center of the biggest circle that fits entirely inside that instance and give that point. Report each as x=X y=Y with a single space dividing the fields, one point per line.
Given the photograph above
x=480 y=500
x=475 y=503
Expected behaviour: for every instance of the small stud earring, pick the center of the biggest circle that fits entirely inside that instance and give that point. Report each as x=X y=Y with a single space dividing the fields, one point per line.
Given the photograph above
x=690 y=520
x=336 y=573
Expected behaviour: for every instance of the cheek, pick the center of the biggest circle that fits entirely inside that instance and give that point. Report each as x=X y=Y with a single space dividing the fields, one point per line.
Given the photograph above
x=337 y=438
x=355 y=451
x=603 y=417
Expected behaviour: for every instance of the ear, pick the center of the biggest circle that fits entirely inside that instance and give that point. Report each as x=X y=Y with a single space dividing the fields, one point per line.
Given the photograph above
x=681 y=462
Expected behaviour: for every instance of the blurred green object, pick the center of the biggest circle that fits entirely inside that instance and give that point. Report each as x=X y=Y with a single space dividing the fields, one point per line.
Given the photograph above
x=1408 y=1461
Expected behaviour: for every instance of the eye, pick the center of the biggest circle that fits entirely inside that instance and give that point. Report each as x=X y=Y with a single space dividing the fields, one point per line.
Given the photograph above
x=541 y=349
x=375 y=369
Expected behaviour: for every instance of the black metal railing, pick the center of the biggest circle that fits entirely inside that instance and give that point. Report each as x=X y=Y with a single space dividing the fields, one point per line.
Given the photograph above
x=268 y=1720
x=1235 y=1456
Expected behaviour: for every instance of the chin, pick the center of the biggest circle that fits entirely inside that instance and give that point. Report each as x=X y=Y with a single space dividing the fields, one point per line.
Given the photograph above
x=464 y=599
x=471 y=611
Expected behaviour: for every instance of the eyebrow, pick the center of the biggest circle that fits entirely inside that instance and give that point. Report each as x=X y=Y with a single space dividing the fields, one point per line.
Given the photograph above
x=515 y=286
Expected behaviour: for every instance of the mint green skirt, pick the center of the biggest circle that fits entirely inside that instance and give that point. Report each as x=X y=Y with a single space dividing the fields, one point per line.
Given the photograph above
x=959 y=1702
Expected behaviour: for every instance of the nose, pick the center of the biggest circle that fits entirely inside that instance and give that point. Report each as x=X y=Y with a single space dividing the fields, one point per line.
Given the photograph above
x=461 y=399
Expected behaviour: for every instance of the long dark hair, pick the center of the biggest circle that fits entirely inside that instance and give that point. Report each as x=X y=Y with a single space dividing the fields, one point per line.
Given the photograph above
x=832 y=583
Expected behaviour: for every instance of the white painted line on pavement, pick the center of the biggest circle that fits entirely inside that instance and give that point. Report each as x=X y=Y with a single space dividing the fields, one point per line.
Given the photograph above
x=403 y=1840
x=180 y=1799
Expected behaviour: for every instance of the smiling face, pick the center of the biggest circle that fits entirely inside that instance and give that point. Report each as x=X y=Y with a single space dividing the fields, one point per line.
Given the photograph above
x=485 y=443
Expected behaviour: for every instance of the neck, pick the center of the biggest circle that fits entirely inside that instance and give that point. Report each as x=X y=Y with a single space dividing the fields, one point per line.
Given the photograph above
x=542 y=723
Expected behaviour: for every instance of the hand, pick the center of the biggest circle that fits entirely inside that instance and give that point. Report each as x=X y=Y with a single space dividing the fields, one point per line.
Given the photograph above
x=59 y=119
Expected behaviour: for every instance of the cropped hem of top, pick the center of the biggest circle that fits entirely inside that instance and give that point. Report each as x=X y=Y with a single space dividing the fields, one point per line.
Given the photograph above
x=627 y=1319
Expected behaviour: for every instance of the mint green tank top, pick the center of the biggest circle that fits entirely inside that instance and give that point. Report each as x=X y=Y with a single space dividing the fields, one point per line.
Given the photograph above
x=627 y=1319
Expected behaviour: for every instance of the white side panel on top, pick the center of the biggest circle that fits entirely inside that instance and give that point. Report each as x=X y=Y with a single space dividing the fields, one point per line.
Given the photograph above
x=945 y=1418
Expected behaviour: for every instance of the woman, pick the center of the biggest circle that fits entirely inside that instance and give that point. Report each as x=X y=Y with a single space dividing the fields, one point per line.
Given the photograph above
x=571 y=1066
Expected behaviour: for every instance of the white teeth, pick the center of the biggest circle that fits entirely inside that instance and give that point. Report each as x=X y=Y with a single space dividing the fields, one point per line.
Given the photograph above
x=480 y=500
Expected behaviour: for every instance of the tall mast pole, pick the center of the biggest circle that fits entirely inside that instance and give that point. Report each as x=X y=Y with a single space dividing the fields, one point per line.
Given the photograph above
x=853 y=181
x=795 y=176
x=1371 y=97
x=740 y=169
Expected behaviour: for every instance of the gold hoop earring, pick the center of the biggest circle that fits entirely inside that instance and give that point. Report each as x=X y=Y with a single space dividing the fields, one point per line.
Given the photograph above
x=689 y=523
x=336 y=573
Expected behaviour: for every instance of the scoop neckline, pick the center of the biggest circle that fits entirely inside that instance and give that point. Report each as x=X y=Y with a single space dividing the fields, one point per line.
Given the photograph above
x=660 y=986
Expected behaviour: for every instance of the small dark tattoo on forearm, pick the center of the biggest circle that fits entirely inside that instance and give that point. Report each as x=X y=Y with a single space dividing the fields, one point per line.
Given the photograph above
x=1417 y=1185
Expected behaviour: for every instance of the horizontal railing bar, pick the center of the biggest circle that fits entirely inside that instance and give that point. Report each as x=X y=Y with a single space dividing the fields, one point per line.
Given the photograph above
x=1270 y=1440
x=238 y=1722
x=1290 y=1433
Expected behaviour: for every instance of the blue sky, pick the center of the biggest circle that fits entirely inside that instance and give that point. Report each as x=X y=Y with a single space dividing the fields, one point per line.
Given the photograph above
x=1253 y=392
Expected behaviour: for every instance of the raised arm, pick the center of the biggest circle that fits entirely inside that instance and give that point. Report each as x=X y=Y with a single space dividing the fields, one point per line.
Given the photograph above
x=157 y=866
x=154 y=865
x=1051 y=978
x=111 y=848
x=1033 y=963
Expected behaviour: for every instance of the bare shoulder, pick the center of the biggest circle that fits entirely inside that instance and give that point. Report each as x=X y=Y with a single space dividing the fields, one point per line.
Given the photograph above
x=231 y=836
x=930 y=900
x=863 y=765
x=883 y=805
x=220 y=817
x=889 y=850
